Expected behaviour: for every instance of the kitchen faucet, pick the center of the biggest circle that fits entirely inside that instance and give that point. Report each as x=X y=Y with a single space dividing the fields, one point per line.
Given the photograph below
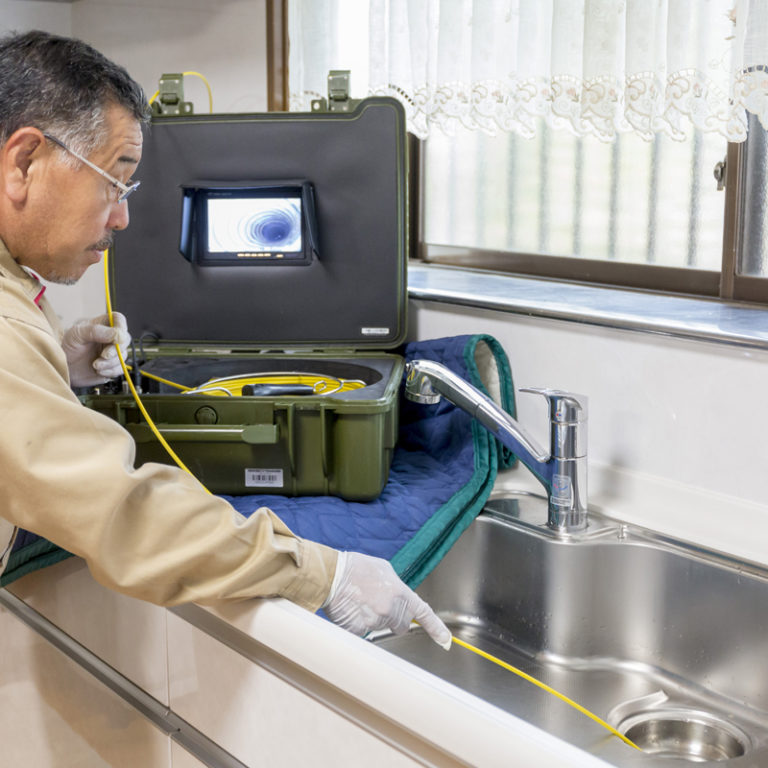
x=562 y=470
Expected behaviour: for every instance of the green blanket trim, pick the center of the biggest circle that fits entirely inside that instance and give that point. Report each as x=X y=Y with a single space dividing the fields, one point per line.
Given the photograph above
x=38 y=554
x=414 y=561
x=507 y=459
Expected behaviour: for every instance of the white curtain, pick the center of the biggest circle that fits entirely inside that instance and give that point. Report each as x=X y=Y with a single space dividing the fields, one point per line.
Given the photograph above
x=593 y=66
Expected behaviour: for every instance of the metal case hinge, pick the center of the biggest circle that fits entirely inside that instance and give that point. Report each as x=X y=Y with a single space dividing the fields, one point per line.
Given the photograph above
x=338 y=94
x=170 y=96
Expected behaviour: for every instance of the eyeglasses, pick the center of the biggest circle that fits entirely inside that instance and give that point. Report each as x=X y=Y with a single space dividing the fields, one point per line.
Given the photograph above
x=123 y=189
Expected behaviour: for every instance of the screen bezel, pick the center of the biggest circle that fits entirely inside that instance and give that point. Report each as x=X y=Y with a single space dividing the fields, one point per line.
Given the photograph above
x=193 y=241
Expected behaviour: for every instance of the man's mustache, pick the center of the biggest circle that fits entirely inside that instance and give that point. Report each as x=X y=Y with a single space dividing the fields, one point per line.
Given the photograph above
x=102 y=245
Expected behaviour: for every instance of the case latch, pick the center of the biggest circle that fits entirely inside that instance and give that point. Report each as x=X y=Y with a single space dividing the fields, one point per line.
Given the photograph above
x=170 y=96
x=338 y=94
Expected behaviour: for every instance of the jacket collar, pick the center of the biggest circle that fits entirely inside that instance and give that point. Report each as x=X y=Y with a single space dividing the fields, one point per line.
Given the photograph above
x=30 y=286
x=28 y=282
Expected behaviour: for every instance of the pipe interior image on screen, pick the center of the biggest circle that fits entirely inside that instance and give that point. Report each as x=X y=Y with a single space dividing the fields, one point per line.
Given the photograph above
x=238 y=224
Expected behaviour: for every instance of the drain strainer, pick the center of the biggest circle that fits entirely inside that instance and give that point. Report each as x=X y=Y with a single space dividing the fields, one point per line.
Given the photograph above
x=691 y=735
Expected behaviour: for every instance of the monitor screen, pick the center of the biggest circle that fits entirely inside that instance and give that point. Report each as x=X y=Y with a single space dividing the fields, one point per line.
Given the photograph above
x=254 y=225
x=248 y=223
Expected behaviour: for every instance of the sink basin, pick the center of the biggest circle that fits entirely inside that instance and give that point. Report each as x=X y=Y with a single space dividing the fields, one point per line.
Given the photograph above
x=665 y=641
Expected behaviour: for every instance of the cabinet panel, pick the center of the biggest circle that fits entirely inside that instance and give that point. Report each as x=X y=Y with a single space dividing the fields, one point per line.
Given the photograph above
x=127 y=634
x=180 y=758
x=56 y=715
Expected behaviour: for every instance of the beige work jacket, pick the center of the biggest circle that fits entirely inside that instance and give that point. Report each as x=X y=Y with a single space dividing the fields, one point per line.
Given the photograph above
x=67 y=474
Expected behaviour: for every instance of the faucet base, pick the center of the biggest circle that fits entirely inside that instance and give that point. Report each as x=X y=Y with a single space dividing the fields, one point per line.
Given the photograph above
x=529 y=510
x=567 y=520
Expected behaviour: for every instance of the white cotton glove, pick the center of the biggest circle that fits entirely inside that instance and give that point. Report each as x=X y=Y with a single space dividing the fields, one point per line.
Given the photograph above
x=367 y=595
x=90 y=349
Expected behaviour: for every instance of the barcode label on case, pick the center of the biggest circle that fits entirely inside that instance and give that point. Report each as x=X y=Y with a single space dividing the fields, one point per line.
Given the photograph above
x=264 y=478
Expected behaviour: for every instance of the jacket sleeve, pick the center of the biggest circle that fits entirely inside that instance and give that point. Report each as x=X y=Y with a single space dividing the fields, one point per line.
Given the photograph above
x=154 y=532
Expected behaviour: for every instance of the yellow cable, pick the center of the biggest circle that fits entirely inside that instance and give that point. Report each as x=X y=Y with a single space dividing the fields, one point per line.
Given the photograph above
x=162 y=380
x=154 y=96
x=207 y=85
x=546 y=688
x=135 y=394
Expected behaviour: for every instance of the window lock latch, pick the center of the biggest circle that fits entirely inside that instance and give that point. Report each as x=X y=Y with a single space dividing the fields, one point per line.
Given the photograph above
x=719 y=174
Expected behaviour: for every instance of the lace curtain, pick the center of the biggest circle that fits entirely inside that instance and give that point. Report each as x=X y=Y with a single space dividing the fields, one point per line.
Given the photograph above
x=592 y=66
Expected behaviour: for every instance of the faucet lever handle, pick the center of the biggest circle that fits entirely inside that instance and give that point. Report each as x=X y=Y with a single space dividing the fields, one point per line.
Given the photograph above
x=564 y=407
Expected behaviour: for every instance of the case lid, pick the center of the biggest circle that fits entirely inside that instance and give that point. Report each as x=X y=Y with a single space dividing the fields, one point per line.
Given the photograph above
x=350 y=292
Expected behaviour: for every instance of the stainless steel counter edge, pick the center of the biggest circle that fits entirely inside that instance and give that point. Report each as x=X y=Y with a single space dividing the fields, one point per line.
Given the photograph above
x=685 y=317
x=422 y=716
x=353 y=709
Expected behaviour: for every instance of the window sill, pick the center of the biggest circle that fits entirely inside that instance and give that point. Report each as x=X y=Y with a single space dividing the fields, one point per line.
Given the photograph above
x=683 y=317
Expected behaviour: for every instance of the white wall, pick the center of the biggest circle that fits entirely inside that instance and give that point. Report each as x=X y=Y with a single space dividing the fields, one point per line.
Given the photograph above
x=224 y=40
x=18 y=15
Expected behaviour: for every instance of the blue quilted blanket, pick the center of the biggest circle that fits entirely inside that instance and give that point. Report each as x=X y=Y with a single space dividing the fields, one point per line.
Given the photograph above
x=443 y=469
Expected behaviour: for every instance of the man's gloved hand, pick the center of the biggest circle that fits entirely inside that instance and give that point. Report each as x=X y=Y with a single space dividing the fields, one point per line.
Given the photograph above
x=368 y=595
x=90 y=349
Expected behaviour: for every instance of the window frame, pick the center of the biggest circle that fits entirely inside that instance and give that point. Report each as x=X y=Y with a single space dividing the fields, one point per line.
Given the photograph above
x=277 y=55
x=727 y=284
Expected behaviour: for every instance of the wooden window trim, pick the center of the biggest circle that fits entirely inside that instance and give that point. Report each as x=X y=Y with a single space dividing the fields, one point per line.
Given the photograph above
x=277 y=56
x=677 y=280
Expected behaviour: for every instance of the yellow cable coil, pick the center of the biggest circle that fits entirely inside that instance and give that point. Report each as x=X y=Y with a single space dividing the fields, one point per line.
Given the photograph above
x=321 y=384
x=233 y=385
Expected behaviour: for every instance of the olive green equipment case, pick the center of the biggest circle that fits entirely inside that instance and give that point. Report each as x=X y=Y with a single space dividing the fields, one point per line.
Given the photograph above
x=334 y=306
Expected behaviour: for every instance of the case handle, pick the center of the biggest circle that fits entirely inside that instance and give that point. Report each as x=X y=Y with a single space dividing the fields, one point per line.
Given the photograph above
x=254 y=434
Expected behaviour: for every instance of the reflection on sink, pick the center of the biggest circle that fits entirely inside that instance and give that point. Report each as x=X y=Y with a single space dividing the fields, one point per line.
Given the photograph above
x=665 y=641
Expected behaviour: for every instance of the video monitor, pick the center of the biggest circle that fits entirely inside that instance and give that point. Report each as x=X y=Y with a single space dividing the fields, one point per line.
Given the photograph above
x=248 y=223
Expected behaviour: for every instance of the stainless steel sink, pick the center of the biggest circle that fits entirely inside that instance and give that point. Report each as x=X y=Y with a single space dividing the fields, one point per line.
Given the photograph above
x=666 y=642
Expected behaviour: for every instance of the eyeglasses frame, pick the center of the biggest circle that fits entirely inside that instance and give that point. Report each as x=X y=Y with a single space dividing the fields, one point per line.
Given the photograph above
x=124 y=189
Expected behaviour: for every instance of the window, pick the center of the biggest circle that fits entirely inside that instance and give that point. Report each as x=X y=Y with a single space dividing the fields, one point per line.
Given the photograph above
x=635 y=201
x=647 y=214
x=632 y=213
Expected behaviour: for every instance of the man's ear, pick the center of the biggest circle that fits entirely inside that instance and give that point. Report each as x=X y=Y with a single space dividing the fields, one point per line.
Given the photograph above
x=17 y=157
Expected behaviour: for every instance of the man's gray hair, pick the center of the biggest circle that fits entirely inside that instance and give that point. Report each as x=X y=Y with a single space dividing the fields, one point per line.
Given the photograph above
x=62 y=86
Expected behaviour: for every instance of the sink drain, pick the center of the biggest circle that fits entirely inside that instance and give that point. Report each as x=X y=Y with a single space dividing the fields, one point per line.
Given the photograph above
x=685 y=734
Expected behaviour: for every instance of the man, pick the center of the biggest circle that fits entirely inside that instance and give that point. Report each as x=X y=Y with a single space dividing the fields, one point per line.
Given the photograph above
x=70 y=140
